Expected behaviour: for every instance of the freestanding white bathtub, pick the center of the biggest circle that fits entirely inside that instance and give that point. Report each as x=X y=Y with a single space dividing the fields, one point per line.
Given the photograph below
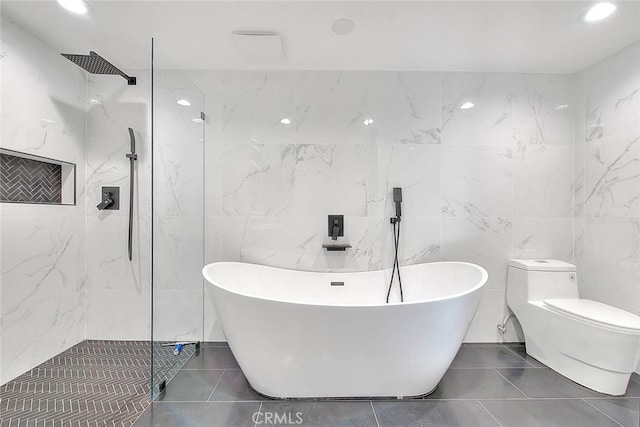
x=295 y=335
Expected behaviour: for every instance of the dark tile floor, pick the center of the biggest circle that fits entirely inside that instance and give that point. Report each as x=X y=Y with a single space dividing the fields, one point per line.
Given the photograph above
x=94 y=383
x=487 y=385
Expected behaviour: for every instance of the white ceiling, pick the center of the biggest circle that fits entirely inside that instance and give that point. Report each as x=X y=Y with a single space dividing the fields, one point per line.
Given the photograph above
x=501 y=36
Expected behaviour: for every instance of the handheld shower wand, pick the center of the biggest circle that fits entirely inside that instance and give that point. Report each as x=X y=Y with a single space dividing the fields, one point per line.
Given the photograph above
x=397 y=198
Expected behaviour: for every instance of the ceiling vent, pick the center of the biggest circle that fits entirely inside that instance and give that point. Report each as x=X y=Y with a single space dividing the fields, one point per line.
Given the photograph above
x=263 y=47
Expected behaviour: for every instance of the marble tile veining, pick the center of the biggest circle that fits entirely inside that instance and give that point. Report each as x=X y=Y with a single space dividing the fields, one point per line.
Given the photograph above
x=42 y=264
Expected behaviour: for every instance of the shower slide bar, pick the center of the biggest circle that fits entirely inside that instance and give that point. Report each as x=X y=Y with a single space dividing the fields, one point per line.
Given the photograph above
x=132 y=158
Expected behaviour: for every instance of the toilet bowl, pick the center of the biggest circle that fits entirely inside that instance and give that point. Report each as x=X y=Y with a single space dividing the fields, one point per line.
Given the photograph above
x=593 y=344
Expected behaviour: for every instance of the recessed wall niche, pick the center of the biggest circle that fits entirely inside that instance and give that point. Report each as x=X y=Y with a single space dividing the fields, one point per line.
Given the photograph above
x=26 y=178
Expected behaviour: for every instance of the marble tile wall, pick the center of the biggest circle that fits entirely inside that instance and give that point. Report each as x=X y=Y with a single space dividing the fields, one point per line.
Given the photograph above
x=42 y=262
x=118 y=290
x=178 y=208
x=112 y=280
x=480 y=185
x=607 y=170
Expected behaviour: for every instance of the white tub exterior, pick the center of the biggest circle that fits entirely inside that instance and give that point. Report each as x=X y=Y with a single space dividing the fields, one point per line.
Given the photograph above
x=296 y=336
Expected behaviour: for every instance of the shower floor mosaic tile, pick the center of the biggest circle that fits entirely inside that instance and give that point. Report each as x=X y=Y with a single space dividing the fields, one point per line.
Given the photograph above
x=94 y=383
x=486 y=385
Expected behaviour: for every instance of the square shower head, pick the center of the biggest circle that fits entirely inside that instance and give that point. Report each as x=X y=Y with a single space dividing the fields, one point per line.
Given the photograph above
x=96 y=64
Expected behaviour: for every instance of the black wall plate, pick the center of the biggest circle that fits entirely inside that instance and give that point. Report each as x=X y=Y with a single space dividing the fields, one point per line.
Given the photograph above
x=115 y=195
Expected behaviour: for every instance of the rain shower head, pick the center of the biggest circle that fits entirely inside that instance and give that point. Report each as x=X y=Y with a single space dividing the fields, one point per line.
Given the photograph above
x=96 y=64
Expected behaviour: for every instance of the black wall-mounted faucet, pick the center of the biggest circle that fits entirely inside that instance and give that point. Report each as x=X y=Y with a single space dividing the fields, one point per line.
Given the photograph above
x=110 y=199
x=106 y=201
x=336 y=230
x=336 y=226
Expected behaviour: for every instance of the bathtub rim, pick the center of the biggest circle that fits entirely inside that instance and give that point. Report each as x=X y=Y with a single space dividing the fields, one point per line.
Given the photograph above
x=483 y=280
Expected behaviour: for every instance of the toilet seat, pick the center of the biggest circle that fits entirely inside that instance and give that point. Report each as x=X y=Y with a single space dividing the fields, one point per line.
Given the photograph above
x=596 y=313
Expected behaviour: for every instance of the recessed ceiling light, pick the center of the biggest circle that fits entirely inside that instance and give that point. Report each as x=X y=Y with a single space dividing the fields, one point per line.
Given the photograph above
x=598 y=11
x=285 y=121
x=197 y=120
x=343 y=26
x=467 y=105
x=562 y=107
x=95 y=101
x=184 y=102
x=76 y=6
x=368 y=121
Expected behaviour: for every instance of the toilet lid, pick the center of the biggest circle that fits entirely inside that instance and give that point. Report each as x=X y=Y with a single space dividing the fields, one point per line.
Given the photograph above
x=596 y=312
x=541 y=265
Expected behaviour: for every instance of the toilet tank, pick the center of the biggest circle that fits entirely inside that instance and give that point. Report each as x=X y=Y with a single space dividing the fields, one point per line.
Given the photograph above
x=540 y=279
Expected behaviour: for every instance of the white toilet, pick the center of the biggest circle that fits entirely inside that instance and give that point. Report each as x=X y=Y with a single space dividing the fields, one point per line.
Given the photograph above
x=591 y=343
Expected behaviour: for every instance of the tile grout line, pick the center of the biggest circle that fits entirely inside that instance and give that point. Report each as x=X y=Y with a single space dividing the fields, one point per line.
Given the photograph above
x=497 y=367
x=603 y=413
x=209 y=369
x=160 y=402
x=525 y=394
x=515 y=399
x=521 y=398
x=490 y=344
x=374 y=413
x=255 y=424
x=216 y=385
x=522 y=358
x=489 y=412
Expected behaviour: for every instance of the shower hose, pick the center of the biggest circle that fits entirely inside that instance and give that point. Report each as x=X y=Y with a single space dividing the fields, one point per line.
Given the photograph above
x=396 y=264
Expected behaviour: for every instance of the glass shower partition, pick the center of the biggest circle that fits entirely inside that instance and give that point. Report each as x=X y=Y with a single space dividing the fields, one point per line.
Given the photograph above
x=178 y=123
